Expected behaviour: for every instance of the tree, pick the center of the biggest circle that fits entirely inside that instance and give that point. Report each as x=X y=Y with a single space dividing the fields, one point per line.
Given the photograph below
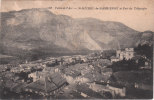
x=124 y=65
x=145 y=50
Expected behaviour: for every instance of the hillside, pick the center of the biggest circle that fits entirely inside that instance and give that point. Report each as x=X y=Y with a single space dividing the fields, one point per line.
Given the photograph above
x=39 y=31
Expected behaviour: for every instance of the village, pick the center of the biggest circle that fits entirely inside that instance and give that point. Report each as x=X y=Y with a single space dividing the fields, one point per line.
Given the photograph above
x=77 y=76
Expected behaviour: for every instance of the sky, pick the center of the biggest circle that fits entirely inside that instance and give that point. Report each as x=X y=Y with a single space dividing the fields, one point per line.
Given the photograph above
x=140 y=20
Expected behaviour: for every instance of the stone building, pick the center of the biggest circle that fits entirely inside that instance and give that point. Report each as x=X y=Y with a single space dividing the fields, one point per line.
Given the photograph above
x=127 y=53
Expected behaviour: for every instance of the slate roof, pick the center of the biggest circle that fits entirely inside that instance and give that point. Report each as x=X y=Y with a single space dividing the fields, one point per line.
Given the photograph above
x=47 y=84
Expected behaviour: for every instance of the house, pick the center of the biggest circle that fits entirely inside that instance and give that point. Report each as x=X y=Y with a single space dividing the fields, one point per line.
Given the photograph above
x=48 y=85
x=143 y=86
x=51 y=69
x=87 y=92
x=17 y=69
x=86 y=70
x=90 y=59
x=84 y=95
x=97 y=87
x=127 y=53
x=60 y=60
x=93 y=76
x=36 y=76
x=81 y=79
x=121 y=91
x=52 y=63
x=28 y=65
x=71 y=75
x=69 y=60
x=114 y=59
x=48 y=70
x=3 y=68
x=108 y=88
x=84 y=59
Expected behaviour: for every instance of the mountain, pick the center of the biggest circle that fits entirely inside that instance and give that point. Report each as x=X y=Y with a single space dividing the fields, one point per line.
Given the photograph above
x=40 y=32
x=146 y=37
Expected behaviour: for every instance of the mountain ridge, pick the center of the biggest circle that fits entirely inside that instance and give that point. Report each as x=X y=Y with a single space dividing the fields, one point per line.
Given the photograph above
x=40 y=29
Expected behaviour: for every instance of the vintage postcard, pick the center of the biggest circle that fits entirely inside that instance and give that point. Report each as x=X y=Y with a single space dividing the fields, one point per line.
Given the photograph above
x=76 y=49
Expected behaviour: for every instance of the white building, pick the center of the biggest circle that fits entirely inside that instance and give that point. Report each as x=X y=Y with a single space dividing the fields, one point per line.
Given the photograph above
x=127 y=53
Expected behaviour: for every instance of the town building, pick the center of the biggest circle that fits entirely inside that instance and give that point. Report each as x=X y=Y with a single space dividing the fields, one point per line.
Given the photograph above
x=120 y=91
x=114 y=59
x=71 y=75
x=3 y=68
x=47 y=70
x=16 y=69
x=143 y=86
x=48 y=85
x=127 y=53
x=36 y=76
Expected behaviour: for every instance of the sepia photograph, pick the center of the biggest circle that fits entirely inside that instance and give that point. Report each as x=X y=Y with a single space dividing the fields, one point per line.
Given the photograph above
x=76 y=49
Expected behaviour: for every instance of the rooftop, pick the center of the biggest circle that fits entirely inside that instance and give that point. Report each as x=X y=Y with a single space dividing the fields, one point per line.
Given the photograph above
x=113 y=57
x=47 y=84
